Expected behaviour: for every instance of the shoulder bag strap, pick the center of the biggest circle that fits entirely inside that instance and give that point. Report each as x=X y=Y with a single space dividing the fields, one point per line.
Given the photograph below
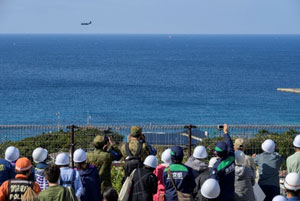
x=171 y=178
x=8 y=186
x=73 y=179
x=128 y=152
x=71 y=194
x=139 y=149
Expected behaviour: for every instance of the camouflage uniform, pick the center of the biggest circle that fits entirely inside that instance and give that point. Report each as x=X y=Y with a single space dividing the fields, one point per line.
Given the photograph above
x=102 y=160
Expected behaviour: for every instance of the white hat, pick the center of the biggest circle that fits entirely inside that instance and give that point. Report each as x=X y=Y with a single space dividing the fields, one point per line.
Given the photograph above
x=279 y=198
x=39 y=155
x=210 y=189
x=12 y=154
x=79 y=156
x=151 y=161
x=296 y=141
x=62 y=159
x=166 y=156
x=200 y=152
x=239 y=157
x=268 y=146
x=212 y=161
x=292 y=181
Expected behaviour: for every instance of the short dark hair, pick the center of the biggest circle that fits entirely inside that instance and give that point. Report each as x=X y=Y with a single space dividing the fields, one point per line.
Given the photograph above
x=110 y=194
x=52 y=173
x=23 y=172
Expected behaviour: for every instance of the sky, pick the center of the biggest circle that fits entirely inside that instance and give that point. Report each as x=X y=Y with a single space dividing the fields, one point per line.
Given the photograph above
x=151 y=16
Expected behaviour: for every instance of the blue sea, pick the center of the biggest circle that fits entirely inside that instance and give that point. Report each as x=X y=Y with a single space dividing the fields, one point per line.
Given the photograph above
x=143 y=79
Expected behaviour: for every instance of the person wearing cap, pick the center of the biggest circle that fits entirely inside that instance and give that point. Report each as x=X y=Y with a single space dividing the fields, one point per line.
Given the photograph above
x=89 y=176
x=292 y=186
x=11 y=155
x=39 y=156
x=181 y=175
x=268 y=164
x=210 y=190
x=293 y=161
x=200 y=169
x=144 y=182
x=68 y=176
x=13 y=189
x=223 y=169
x=56 y=192
x=244 y=178
x=166 y=159
x=240 y=144
x=136 y=147
x=102 y=157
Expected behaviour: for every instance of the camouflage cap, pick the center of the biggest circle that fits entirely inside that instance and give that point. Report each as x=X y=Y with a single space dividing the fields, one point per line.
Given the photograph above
x=135 y=131
x=99 y=141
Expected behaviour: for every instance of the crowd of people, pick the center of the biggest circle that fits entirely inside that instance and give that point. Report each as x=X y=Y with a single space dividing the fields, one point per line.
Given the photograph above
x=229 y=176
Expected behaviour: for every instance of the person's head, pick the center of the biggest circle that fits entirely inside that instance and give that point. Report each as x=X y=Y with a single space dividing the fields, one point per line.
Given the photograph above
x=110 y=194
x=268 y=146
x=52 y=173
x=221 y=149
x=239 y=157
x=200 y=152
x=150 y=162
x=136 y=131
x=79 y=159
x=39 y=155
x=23 y=166
x=239 y=144
x=62 y=160
x=210 y=189
x=279 y=198
x=12 y=154
x=292 y=184
x=99 y=142
x=166 y=156
x=296 y=143
x=176 y=154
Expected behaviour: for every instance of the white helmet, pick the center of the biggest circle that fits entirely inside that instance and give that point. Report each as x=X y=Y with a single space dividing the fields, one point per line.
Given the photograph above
x=166 y=156
x=279 y=198
x=79 y=156
x=210 y=189
x=39 y=155
x=268 y=146
x=12 y=154
x=292 y=181
x=151 y=161
x=239 y=157
x=212 y=161
x=296 y=141
x=200 y=152
x=62 y=159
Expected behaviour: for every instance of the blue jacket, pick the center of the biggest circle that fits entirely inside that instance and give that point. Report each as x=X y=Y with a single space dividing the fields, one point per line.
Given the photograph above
x=223 y=171
x=183 y=178
x=91 y=183
x=6 y=171
x=294 y=199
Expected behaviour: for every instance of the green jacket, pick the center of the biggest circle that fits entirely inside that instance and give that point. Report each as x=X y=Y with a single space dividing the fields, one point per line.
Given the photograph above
x=57 y=193
x=133 y=145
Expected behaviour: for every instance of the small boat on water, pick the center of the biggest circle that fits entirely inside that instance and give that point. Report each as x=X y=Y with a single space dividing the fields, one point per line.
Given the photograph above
x=86 y=23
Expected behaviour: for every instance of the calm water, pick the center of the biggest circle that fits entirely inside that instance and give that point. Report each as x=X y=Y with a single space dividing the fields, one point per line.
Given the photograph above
x=127 y=79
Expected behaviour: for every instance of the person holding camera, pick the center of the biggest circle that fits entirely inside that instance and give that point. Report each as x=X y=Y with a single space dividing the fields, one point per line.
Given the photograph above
x=102 y=157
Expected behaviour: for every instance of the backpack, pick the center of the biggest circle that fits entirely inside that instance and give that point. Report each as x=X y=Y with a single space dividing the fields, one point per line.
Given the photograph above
x=132 y=161
x=29 y=195
x=126 y=188
x=72 y=182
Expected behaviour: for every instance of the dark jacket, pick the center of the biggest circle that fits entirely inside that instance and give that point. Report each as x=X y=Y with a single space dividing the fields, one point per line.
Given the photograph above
x=91 y=183
x=223 y=171
x=183 y=179
x=144 y=185
x=6 y=171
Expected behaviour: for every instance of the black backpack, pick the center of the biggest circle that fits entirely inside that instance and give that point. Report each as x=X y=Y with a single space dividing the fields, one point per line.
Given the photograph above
x=132 y=161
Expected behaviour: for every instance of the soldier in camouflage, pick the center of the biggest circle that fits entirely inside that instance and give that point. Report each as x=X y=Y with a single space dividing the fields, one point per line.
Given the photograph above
x=105 y=152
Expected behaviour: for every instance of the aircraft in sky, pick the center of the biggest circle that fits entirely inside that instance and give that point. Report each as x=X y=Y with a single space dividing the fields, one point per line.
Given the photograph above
x=86 y=23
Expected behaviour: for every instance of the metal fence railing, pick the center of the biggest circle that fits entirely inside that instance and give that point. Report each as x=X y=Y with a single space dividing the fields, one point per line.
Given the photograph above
x=61 y=138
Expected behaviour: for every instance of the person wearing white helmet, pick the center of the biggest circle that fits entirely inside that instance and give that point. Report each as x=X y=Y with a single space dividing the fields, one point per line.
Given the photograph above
x=293 y=161
x=166 y=159
x=68 y=176
x=279 y=198
x=268 y=164
x=292 y=186
x=200 y=169
x=144 y=182
x=12 y=154
x=39 y=155
x=210 y=190
x=89 y=175
x=244 y=179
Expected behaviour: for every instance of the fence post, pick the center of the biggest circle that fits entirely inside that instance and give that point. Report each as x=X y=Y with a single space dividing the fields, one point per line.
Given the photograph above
x=72 y=145
x=190 y=127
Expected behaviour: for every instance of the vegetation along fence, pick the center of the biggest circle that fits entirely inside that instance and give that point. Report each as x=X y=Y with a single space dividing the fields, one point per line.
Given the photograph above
x=58 y=138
